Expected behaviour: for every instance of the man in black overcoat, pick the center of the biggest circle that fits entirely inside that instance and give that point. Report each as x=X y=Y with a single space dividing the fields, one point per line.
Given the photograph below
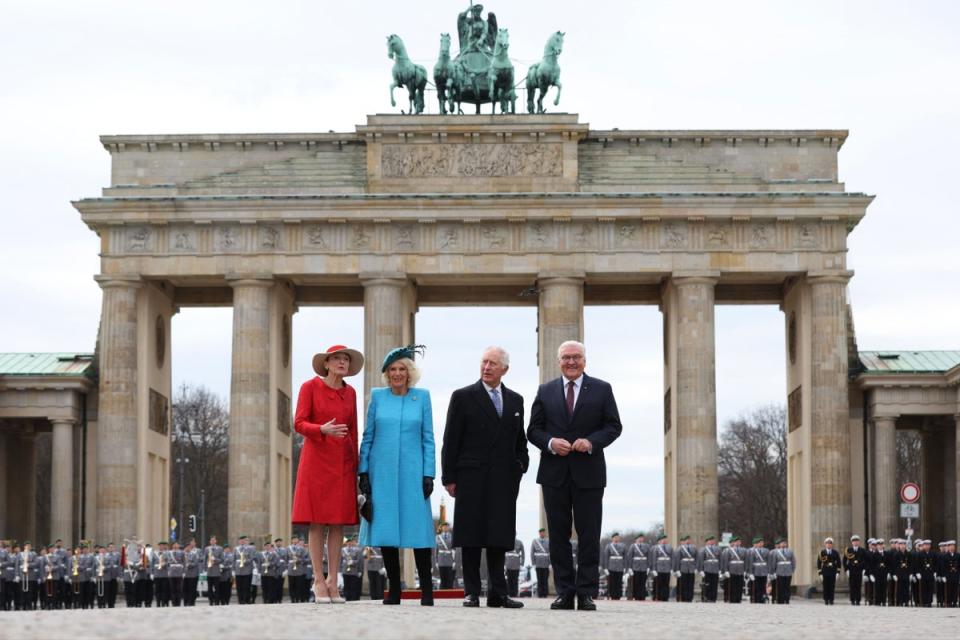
x=573 y=419
x=483 y=458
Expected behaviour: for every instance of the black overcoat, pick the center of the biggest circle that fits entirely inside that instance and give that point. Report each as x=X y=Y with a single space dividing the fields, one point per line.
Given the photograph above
x=485 y=456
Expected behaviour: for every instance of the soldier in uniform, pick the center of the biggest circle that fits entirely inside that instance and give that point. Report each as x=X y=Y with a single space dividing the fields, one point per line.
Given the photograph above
x=143 y=585
x=244 y=556
x=708 y=566
x=828 y=565
x=115 y=574
x=212 y=559
x=783 y=566
x=757 y=569
x=375 y=572
x=63 y=586
x=637 y=563
x=161 y=575
x=296 y=570
x=50 y=579
x=540 y=557
x=903 y=573
x=612 y=565
x=661 y=567
x=941 y=583
x=74 y=578
x=733 y=567
x=351 y=567
x=129 y=575
x=274 y=566
x=513 y=562
x=924 y=568
x=284 y=556
x=176 y=573
x=868 y=578
x=308 y=579
x=29 y=576
x=192 y=560
x=854 y=562
x=101 y=576
x=685 y=569
x=444 y=557
x=225 y=586
x=879 y=569
x=4 y=558
x=87 y=576
x=949 y=570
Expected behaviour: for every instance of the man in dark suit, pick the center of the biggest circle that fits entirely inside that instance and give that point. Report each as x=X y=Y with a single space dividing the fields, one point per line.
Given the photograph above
x=573 y=419
x=484 y=456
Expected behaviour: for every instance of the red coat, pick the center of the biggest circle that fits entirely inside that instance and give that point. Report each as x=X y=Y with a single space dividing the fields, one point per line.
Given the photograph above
x=326 y=488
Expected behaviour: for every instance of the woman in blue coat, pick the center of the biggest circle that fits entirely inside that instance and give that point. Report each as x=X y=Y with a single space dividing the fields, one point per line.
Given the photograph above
x=396 y=471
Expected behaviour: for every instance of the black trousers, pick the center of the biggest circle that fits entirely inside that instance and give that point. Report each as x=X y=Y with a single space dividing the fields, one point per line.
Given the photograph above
x=927 y=586
x=144 y=593
x=29 y=597
x=243 y=589
x=758 y=590
x=953 y=589
x=639 y=585
x=615 y=585
x=375 y=581
x=782 y=585
x=829 y=586
x=708 y=586
x=111 y=587
x=543 y=582
x=497 y=582
x=567 y=505
x=661 y=586
x=48 y=595
x=87 y=591
x=447 y=577
x=100 y=593
x=295 y=584
x=161 y=587
x=267 y=584
x=190 y=591
x=351 y=587
x=513 y=582
x=685 y=587
x=856 y=586
x=880 y=591
x=903 y=590
x=735 y=587
x=225 y=591
x=176 y=591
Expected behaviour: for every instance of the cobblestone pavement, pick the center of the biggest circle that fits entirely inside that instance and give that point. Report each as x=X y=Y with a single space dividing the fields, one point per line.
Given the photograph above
x=365 y=619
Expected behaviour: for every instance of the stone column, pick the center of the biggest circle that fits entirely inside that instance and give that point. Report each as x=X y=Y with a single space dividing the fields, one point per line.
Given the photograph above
x=117 y=436
x=956 y=487
x=386 y=323
x=696 y=410
x=22 y=486
x=830 y=498
x=559 y=318
x=248 y=482
x=62 y=482
x=886 y=516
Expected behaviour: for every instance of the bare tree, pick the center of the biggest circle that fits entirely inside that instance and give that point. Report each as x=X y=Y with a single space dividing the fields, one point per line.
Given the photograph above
x=752 y=470
x=909 y=448
x=200 y=435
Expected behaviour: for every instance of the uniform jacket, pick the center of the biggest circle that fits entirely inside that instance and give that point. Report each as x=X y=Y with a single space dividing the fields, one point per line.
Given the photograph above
x=161 y=564
x=297 y=560
x=244 y=557
x=374 y=559
x=685 y=558
x=540 y=553
x=443 y=554
x=756 y=560
x=212 y=559
x=612 y=557
x=948 y=568
x=828 y=562
x=732 y=561
x=595 y=417
x=662 y=561
x=175 y=558
x=708 y=559
x=513 y=560
x=191 y=561
x=782 y=562
x=398 y=451
x=485 y=455
x=638 y=555
x=226 y=567
x=855 y=560
x=351 y=562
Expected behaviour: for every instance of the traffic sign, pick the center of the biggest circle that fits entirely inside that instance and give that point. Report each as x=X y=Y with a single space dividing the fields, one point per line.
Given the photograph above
x=909 y=510
x=910 y=493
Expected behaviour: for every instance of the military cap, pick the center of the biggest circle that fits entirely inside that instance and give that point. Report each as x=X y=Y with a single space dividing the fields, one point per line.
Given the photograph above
x=777 y=540
x=614 y=534
x=757 y=539
x=950 y=542
x=871 y=541
x=880 y=541
x=942 y=544
x=709 y=538
x=826 y=540
x=541 y=530
x=662 y=536
x=162 y=542
x=854 y=537
x=735 y=539
x=409 y=351
x=684 y=538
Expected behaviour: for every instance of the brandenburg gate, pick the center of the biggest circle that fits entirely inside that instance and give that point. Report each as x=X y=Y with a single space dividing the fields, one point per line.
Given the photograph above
x=408 y=211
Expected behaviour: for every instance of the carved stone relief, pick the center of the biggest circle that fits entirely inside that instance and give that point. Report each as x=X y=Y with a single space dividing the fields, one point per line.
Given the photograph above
x=806 y=235
x=183 y=240
x=493 y=237
x=583 y=236
x=360 y=238
x=404 y=238
x=227 y=239
x=761 y=236
x=795 y=409
x=316 y=238
x=539 y=235
x=283 y=412
x=471 y=160
x=449 y=238
x=673 y=236
x=718 y=236
x=138 y=239
x=270 y=238
x=628 y=235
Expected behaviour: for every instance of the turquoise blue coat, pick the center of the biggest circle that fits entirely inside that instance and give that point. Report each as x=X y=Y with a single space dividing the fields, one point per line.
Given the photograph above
x=397 y=451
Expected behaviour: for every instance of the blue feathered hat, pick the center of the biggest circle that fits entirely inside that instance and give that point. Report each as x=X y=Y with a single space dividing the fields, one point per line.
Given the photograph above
x=409 y=351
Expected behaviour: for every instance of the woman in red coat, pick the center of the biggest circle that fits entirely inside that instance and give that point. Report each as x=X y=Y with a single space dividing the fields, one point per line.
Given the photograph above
x=326 y=491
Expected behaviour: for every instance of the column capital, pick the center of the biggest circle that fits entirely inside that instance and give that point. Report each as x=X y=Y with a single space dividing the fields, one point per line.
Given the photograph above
x=68 y=421
x=249 y=280
x=118 y=282
x=561 y=277
x=890 y=418
x=386 y=278
x=695 y=277
x=834 y=276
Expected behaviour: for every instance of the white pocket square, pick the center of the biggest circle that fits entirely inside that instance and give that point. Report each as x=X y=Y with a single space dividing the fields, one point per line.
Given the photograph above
x=516 y=415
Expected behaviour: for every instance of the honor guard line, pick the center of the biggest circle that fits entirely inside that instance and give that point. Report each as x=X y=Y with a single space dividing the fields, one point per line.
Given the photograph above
x=411 y=211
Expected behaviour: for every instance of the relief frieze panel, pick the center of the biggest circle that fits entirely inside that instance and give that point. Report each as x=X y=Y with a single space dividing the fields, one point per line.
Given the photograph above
x=471 y=160
x=183 y=240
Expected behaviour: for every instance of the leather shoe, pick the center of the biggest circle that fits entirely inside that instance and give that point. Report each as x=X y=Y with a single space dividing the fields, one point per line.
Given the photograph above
x=562 y=603
x=503 y=602
x=471 y=601
x=586 y=603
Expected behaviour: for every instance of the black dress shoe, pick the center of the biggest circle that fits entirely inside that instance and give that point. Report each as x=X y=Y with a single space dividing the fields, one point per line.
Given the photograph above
x=562 y=603
x=471 y=601
x=503 y=602
x=586 y=603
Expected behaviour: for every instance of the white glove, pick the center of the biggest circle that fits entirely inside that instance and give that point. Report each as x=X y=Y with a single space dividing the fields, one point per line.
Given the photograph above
x=654 y=574
x=896 y=578
x=913 y=578
x=676 y=574
x=703 y=575
x=383 y=572
x=872 y=579
x=605 y=572
x=726 y=575
x=918 y=577
x=847 y=572
x=749 y=577
x=630 y=572
x=821 y=578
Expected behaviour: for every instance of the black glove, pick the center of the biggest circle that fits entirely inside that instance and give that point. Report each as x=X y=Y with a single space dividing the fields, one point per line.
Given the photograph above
x=366 y=509
x=364 y=485
x=427 y=487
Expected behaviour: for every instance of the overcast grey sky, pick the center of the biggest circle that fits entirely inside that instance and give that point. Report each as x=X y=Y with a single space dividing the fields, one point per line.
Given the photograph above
x=884 y=70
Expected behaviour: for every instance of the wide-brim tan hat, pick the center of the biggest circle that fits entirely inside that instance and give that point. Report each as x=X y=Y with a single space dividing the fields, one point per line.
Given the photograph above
x=356 y=360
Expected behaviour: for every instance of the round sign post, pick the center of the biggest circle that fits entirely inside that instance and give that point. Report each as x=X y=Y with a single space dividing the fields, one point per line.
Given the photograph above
x=910 y=493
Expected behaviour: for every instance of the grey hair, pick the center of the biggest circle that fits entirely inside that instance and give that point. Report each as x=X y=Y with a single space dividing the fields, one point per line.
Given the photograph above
x=413 y=373
x=504 y=356
x=571 y=343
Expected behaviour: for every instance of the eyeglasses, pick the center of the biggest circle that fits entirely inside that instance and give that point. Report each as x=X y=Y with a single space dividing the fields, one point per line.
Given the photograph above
x=574 y=358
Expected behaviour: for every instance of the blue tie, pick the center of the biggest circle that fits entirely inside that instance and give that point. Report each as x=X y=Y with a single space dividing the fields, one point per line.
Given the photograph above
x=498 y=405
